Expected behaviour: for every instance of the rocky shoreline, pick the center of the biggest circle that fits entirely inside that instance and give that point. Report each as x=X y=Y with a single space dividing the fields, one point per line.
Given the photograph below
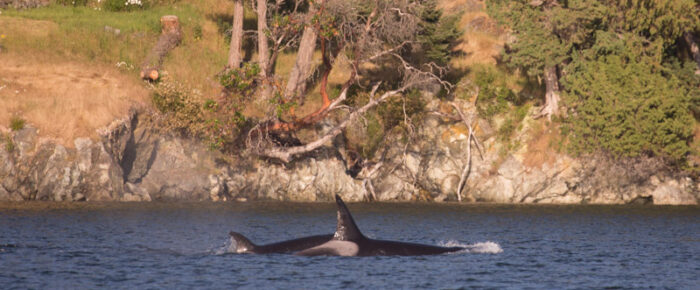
x=134 y=161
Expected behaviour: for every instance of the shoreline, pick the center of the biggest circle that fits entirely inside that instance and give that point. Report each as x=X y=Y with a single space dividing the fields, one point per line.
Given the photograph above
x=59 y=205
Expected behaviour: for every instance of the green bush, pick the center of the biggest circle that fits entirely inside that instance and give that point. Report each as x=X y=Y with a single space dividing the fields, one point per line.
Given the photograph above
x=9 y=144
x=17 y=123
x=183 y=113
x=392 y=111
x=124 y=5
x=625 y=105
x=512 y=123
x=72 y=2
x=494 y=95
x=240 y=80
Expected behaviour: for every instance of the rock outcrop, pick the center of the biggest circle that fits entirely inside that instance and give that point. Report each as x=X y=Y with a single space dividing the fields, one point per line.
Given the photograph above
x=134 y=161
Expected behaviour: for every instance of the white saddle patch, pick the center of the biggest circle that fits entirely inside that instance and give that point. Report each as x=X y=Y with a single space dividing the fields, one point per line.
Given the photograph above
x=332 y=248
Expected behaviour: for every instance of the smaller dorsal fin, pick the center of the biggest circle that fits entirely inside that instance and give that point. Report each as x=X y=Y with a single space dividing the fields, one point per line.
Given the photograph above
x=346 y=229
x=243 y=244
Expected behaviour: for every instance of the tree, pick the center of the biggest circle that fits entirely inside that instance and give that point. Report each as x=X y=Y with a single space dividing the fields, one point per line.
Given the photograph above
x=263 y=49
x=537 y=49
x=296 y=82
x=619 y=62
x=624 y=105
x=376 y=32
x=234 y=53
x=661 y=22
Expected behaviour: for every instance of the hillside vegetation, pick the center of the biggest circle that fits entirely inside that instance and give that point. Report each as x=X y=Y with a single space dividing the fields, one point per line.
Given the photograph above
x=622 y=84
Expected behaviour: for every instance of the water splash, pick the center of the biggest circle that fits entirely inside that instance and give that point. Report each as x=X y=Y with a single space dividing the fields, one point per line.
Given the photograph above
x=487 y=247
x=228 y=247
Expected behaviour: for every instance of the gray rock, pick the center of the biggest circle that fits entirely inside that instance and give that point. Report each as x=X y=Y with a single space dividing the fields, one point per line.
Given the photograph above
x=179 y=171
x=25 y=140
x=672 y=193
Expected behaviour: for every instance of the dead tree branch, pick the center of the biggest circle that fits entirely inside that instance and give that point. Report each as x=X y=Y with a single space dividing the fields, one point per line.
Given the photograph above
x=467 y=168
x=286 y=154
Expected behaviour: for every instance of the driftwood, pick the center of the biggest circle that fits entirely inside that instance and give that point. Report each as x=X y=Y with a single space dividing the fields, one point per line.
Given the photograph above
x=170 y=37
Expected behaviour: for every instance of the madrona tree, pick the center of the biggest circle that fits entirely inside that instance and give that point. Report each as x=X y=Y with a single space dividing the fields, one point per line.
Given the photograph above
x=399 y=36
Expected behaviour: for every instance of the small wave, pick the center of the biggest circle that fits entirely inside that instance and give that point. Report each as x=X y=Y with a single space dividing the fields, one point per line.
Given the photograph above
x=487 y=247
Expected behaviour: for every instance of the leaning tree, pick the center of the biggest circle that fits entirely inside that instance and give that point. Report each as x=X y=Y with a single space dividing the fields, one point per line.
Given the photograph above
x=365 y=34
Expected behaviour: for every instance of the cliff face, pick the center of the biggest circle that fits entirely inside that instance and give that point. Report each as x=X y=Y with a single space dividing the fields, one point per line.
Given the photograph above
x=134 y=162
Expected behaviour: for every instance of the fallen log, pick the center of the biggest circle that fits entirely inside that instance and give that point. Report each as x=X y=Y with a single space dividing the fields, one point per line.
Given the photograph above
x=170 y=37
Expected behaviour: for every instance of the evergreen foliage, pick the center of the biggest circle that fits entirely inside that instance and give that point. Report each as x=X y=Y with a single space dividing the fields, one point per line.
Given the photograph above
x=439 y=34
x=623 y=105
x=628 y=85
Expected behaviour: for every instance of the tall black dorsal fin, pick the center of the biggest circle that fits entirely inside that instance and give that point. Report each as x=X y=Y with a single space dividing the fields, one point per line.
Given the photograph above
x=346 y=229
x=243 y=244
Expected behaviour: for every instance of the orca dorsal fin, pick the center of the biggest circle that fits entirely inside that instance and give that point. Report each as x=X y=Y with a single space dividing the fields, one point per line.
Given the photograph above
x=346 y=230
x=243 y=244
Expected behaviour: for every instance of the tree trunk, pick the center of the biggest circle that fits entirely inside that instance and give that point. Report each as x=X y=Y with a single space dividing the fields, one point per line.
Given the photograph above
x=296 y=84
x=693 y=47
x=263 y=49
x=234 y=53
x=551 y=105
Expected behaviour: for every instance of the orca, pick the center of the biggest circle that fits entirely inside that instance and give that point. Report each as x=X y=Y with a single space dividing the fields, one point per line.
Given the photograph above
x=245 y=246
x=349 y=241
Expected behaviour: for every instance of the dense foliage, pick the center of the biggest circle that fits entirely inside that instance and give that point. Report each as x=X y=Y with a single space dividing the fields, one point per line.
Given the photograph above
x=628 y=87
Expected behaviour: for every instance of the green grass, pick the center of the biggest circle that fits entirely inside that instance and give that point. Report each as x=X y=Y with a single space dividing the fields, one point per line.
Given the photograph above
x=80 y=32
x=86 y=18
x=17 y=123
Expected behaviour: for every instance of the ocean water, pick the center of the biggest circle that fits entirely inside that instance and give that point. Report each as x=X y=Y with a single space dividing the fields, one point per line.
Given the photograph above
x=186 y=245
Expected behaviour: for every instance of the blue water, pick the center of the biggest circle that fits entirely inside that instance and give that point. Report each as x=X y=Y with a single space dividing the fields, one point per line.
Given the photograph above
x=185 y=245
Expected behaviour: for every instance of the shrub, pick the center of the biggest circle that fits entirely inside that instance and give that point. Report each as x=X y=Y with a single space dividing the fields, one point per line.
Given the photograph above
x=183 y=113
x=72 y=2
x=16 y=123
x=9 y=144
x=219 y=123
x=240 y=80
x=494 y=95
x=392 y=111
x=625 y=106
x=124 y=5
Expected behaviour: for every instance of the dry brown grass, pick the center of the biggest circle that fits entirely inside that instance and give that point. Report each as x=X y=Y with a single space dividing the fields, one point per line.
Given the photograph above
x=539 y=146
x=63 y=99
x=20 y=27
x=479 y=46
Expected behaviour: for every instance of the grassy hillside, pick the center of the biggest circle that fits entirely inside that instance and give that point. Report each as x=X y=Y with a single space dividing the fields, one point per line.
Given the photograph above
x=69 y=70
x=52 y=56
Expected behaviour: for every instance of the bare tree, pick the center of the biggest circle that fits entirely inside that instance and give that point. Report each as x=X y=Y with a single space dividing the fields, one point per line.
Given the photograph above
x=296 y=83
x=263 y=48
x=376 y=35
x=234 y=53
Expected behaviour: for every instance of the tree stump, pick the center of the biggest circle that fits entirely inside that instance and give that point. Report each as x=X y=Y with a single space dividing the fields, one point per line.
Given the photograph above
x=170 y=37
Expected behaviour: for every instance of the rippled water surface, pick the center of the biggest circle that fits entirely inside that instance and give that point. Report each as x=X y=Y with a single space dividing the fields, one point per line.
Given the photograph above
x=186 y=245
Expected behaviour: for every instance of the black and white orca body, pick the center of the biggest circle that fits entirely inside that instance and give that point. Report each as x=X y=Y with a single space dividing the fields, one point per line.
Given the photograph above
x=349 y=241
x=245 y=246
